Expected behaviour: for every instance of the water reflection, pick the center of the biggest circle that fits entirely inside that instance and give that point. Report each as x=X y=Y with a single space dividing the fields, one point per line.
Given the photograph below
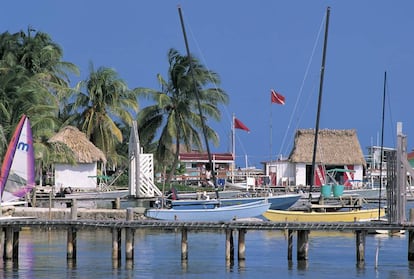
x=303 y=265
x=157 y=255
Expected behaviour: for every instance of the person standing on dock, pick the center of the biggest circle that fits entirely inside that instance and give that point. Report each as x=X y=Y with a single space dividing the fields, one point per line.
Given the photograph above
x=208 y=178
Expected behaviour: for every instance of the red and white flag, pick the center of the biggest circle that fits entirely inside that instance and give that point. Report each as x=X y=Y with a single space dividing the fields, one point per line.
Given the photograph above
x=276 y=97
x=239 y=125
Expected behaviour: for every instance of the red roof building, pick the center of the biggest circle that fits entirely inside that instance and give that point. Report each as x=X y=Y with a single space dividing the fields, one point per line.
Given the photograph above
x=197 y=163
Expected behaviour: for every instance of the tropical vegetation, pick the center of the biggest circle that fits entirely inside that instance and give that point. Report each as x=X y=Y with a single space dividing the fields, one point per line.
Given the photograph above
x=175 y=114
x=34 y=80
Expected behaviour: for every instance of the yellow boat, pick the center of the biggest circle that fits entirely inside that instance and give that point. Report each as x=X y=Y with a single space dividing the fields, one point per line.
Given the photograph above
x=355 y=215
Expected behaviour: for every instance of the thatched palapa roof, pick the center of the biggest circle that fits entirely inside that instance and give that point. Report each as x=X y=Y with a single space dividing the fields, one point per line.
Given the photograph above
x=335 y=147
x=84 y=150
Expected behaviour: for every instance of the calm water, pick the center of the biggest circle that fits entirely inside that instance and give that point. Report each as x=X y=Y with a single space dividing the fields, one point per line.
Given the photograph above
x=157 y=255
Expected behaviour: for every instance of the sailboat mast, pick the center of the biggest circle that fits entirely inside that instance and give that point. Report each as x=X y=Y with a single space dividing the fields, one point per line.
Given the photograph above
x=315 y=144
x=233 y=146
x=382 y=143
x=233 y=138
x=198 y=100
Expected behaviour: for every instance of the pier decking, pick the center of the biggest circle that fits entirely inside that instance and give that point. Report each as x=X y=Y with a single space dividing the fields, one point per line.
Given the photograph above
x=173 y=225
x=12 y=226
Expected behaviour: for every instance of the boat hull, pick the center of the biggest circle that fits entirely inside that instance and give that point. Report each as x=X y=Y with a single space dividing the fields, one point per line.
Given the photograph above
x=194 y=204
x=281 y=202
x=226 y=213
x=337 y=216
x=367 y=193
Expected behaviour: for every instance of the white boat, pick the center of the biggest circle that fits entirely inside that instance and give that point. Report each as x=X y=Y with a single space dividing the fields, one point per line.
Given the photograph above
x=367 y=192
x=225 y=194
x=217 y=214
x=281 y=202
x=18 y=169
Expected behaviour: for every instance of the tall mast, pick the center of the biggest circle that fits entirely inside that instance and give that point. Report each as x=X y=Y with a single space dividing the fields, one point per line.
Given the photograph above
x=233 y=146
x=233 y=138
x=382 y=143
x=315 y=144
x=198 y=101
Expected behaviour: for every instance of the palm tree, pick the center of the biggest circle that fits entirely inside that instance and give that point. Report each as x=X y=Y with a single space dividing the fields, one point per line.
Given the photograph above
x=175 y=115
x=33 y=81
x=103 y=103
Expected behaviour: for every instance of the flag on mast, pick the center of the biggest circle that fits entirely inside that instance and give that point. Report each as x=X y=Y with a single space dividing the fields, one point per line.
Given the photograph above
x=276 y=97
x=239 y=125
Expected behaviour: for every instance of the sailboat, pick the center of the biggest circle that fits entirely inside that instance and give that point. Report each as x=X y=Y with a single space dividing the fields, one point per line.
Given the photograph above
x=352 y=215
x=216 y=214
x=225 y=213
x=18 y=169
x=277 y=201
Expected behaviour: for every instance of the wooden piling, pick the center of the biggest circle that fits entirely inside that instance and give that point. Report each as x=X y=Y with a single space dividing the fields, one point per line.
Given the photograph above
x=290 y=245
x=229 y=245
x=129 y=236
x=129 y=244
x=9 y=240
x=241 y=252
x=33 y=202
x=50 y=205
x=184 y=245
x=116 y=204
x=116 y=243
x=71 y=243
x=303 y=245
x=72 y=233
x=360 y=246
x=410 y=245
x=8 y=243
x=411 y=238
x=74 y=210
x=16 y=233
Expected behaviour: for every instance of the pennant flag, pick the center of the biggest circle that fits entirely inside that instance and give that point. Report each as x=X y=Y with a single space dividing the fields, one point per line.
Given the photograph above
x=239 y=125
x=277 y=98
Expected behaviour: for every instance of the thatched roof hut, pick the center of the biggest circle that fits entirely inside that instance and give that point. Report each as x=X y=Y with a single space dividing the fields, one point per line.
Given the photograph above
x=84 y=150
x=335 y=147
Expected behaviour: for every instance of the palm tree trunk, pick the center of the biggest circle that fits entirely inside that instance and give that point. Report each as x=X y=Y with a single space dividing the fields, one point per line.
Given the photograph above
x=174 y=164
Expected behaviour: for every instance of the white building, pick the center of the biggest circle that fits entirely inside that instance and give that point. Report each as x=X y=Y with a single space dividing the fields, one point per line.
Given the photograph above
x=336 y=149
x=84 y=173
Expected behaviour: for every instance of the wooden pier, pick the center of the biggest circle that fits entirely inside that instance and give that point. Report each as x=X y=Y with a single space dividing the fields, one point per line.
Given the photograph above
x=12 y=226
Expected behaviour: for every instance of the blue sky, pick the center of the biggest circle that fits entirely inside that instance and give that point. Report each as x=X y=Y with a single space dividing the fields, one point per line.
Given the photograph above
x=254 y=46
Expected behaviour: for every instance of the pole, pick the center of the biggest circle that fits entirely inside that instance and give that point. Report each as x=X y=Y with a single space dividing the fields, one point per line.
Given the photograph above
x=233 y=146
x=382 y=144
x=319 y=103
x=198 y=100
x=271 y=134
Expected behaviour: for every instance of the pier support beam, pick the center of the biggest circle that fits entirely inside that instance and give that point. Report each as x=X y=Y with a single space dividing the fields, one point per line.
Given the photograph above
x=71 y=244
x=229 y=245
x=184 y=245
x=241 y=251
x=129 y=236
x=290 y=245
x=411 y=238
x=360 y=246
x=303 y=245
x=71 y=234
x=74 y=210
x=410 y=245
x=116 y=204
x=116 y=243
x=16 y=233
x=8 y=244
